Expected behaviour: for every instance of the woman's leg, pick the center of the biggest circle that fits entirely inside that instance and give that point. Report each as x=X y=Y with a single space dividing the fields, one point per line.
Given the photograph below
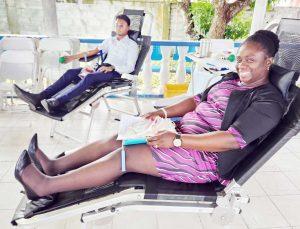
x=102 y=171
x=77 y=157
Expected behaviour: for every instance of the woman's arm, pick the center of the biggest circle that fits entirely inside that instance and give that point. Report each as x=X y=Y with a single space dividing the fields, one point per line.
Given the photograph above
x=181 y=108
x=216 y=141
x=178 y=109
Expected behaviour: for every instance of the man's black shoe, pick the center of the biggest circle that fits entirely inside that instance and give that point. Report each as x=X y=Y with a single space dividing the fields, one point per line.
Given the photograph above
x=34 y=100
x=50 y=105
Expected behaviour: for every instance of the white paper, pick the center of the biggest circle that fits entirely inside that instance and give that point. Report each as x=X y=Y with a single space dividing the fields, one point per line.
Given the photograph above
x=132 y=127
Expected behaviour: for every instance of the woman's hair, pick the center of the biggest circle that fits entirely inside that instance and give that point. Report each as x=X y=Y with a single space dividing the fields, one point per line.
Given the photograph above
x=124 y=18
x=267 y=40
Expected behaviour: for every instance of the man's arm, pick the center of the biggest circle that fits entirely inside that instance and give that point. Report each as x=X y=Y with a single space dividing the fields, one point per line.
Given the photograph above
x=88 y=53
x=102 y=46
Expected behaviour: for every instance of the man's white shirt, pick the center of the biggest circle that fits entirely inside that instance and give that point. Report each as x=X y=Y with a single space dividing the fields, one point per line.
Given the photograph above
x=122 y=54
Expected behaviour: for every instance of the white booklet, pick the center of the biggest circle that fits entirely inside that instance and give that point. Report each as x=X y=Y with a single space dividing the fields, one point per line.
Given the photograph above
x=132 y=127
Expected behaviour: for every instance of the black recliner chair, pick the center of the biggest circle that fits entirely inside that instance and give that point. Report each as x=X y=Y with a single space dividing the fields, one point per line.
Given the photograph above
x=94 y=94
x=136 y=191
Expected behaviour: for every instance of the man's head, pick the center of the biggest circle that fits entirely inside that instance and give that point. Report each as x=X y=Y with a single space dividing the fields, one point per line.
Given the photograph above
x=122 y=25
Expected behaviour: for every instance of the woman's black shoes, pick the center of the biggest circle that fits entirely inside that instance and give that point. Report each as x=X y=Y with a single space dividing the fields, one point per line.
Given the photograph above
x=22 y=163
x=33 y=147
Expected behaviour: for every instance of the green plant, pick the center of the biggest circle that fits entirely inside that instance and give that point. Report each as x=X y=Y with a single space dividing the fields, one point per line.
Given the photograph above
x=239 y=27
x=203 y=13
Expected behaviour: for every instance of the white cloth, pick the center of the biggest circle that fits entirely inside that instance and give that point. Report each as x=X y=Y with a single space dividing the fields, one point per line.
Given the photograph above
x=122 y=54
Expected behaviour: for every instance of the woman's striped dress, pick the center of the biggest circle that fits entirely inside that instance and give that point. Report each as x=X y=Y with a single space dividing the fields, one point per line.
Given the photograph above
x=192 y=166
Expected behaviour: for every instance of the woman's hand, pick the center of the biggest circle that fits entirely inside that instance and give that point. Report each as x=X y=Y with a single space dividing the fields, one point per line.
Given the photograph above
x=163 y=139
x=152 y=115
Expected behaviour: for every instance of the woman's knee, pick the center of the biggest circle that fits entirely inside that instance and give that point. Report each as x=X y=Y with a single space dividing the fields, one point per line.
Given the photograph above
x=107 y=145
x=112 y=143
x=139 y=159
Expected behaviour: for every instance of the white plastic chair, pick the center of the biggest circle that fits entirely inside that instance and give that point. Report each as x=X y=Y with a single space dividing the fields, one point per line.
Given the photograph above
x=18 y=64
x=50 y=49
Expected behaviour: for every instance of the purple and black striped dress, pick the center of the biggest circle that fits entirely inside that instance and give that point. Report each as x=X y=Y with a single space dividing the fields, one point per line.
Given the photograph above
x=193 y=166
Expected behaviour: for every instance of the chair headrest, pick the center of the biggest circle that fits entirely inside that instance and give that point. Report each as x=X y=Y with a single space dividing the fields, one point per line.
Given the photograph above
x=134 y=35
x=283 y=79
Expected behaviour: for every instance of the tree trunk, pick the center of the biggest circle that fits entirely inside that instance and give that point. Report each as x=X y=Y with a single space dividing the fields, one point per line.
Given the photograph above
x=218 y=25
x=189 y=22
x=224 y=12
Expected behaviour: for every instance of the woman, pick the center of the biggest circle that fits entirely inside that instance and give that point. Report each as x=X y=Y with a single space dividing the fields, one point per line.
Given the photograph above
x=232 y=115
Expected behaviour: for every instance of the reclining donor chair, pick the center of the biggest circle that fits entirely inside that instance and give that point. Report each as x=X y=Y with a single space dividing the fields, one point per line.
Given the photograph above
x=92 y=96
x=146 y=193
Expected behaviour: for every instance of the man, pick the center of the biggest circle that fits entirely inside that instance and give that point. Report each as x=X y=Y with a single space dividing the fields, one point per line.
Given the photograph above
x=122 y=54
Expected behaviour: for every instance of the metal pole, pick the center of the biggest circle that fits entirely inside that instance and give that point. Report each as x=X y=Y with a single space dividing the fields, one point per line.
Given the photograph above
x=258 y=15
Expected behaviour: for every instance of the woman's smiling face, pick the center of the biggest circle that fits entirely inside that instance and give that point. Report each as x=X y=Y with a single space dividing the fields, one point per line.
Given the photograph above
x=252 y=63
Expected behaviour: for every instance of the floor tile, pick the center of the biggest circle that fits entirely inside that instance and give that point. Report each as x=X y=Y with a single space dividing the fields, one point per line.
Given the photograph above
x=75 y=222
x=4 y=167
x=262 y=213
x=294 y=178
x=289 y=206
x=10 y=153
x=6 y=216
x=287 y=162
x=10 y=195
x=174 y=220
x=210 y=223
x=276 y=183
x=135 y=220
x=9 y=176
x=253 y=188
x=294 y=145
x=103 y=224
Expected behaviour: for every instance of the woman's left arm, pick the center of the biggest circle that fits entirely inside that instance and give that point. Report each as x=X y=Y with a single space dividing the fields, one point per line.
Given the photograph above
x=216 y=141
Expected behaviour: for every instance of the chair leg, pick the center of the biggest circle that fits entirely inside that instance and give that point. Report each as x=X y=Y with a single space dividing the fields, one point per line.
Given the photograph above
x=137 y=106
x=2 y=100
x=93 y=108
x=106 y=103
x=52 y=131
x=133 y=93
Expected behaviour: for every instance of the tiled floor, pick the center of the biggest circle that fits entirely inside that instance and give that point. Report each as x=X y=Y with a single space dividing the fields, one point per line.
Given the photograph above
x=274 y=189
